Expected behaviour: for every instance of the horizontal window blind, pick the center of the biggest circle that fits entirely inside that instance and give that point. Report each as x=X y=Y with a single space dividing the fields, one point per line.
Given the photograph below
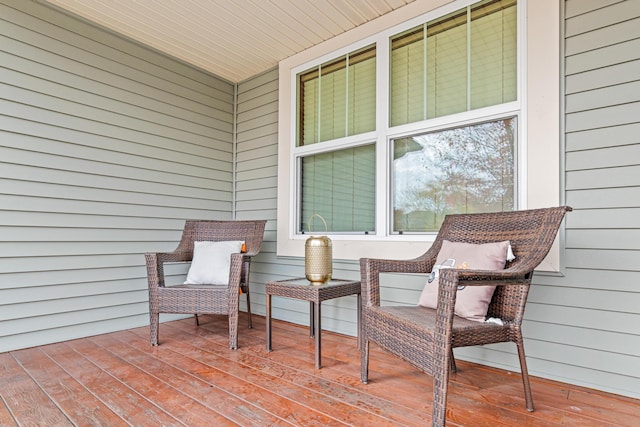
x=339 y=186
x=462 y=61
x=338 y=98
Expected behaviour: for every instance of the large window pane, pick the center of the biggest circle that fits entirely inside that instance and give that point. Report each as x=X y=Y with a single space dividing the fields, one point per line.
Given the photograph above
x=463 y=170
x=407 y=84
x=447 y=65
x=361 y=92
x=493 y=54
x=333 y=93
x=459 y=62
x=339 y=186
x=337 y=98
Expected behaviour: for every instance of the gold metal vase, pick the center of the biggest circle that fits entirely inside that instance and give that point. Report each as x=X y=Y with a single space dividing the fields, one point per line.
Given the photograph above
x=318 y=265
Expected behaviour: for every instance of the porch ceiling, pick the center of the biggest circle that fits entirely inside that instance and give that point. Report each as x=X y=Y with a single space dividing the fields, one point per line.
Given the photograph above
x=231 y=39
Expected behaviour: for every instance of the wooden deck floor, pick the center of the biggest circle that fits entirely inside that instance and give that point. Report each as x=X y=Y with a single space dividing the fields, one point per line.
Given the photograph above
x=193 y=379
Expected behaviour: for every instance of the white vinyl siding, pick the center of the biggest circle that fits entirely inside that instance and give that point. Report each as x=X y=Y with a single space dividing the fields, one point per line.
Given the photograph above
x=105 y=149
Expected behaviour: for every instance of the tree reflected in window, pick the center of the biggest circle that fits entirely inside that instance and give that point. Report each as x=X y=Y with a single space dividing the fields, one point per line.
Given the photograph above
x=462 y=170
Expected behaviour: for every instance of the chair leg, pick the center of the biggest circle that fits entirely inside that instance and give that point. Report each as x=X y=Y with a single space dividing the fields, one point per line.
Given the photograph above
x=364 y=361
x=233 y=330
x=452 y=362
x=525 y=376
x=249 y=308
x=441 y=371
x=246 y=272
x=153 y=327
x=197 y=321
x=364 y=343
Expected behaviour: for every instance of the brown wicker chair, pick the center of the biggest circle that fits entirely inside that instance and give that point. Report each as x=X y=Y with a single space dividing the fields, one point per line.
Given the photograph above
x=426 y=337
x=204 y=299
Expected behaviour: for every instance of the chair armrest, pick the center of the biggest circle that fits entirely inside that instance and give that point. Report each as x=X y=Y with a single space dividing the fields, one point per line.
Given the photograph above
x=155 y=264
x=235 y=271
x=490 y=277
x=251 y=254
x=451 y=278
x=371 y=268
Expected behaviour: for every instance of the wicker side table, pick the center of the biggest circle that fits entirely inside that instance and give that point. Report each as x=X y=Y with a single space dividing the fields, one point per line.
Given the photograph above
x=302 y=289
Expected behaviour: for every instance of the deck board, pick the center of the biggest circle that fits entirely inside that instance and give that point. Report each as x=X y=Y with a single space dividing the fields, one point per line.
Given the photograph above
x=246 y=387
x=169 y=399
x=193 y=379
x=6 y=419
x=121 y=398
x=70 y=395
x=26 y=400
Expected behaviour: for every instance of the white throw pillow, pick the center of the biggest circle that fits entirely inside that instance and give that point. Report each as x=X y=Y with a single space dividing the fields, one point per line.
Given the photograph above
x=212 y=262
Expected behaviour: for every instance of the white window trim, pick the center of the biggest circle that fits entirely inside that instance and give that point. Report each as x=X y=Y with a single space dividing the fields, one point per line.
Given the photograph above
x=539 y=122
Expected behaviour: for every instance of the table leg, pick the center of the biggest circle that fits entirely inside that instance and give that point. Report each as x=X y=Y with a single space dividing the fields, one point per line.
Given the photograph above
x=312 y=319
x=318 y=330
x=268 y=315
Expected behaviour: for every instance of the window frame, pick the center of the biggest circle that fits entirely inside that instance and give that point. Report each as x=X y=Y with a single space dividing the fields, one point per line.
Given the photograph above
x=537 y=109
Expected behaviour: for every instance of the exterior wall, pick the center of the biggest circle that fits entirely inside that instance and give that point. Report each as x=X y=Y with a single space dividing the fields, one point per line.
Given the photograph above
x=588 y=330
x=256 y=173
x=105 y=148
x=581 y=327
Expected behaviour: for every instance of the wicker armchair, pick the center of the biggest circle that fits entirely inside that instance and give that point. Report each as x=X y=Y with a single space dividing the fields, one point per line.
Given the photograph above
x=204 y=299
x=426 y=337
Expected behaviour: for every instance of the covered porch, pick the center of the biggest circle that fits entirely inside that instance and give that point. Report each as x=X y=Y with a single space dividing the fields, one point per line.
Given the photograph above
x=109 y=143
x=192 y=378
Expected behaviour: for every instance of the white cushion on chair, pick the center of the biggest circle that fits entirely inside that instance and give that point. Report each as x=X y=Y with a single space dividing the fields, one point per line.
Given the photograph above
x=211 y=262
x=472 y=302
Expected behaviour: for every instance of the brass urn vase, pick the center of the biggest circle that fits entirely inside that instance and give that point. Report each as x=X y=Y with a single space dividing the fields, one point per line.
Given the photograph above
x=318 y=266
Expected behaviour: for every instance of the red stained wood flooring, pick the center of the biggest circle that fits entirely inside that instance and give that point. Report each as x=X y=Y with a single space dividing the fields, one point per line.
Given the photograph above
x=193 y=379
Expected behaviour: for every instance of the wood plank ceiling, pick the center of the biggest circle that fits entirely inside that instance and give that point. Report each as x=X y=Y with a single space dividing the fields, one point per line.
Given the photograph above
x=231 y=39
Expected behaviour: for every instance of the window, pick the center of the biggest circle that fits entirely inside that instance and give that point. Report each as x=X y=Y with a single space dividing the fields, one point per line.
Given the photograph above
x=462 y=61
x=397 y=106
x=339 y=186
x=467 y=169
x=337 y=99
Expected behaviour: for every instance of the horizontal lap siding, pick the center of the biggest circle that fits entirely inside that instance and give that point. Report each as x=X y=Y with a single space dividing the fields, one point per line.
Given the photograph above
x=584 y=327
x=105 y=149
x=256 y=172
